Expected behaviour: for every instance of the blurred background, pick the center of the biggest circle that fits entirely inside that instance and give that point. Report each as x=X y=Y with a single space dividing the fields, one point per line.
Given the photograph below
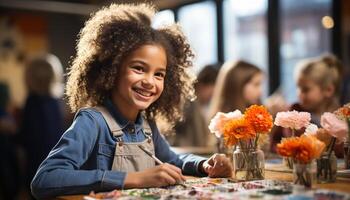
x=271 y=34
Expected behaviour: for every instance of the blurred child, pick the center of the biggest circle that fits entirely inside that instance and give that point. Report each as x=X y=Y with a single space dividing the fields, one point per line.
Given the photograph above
x=239 y=85
x=42 y=118
x=125 y=75
x=318 y=81
x=9 y=173
x=193 y=130
x=204 y=87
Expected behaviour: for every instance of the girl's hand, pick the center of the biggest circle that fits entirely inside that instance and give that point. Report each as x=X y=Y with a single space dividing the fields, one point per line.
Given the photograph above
x=217 y=166
x=161 y=175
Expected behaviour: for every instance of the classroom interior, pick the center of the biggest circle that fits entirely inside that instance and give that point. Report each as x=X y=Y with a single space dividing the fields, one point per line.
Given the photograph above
x=276 y=36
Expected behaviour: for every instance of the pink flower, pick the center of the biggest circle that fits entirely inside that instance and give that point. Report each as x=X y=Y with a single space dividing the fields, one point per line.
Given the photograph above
x=293 y=119
x=217 y=123
x=336 y=127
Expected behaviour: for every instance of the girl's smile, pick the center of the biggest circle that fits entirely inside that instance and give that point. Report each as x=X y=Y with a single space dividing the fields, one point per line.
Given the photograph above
x=142 y=94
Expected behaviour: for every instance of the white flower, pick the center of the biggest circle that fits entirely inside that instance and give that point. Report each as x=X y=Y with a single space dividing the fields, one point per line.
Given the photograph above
x=217 y=123
x=311 y=129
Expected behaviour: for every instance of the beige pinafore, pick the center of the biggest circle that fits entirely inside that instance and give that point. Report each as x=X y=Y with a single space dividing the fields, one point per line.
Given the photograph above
x=128 y=157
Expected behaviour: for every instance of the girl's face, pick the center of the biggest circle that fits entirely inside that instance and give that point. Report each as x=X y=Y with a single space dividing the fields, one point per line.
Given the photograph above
x=252 y=91
x=140 y=80
x=310 y=94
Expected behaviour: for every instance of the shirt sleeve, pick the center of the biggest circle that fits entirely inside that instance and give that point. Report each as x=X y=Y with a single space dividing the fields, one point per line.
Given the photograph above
x=61 y=174
x=189 y=163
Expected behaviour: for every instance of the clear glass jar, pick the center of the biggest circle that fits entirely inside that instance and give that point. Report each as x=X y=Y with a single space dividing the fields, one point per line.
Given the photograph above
x=347 y=154
x=288 y=162
x=327 y=168
x=304 y=174
x=347 y=149
x=223 y=149
x=248 y=164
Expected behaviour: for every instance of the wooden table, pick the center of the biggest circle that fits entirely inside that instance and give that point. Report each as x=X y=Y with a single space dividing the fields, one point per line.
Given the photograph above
x=202 y=151
x=341 y=185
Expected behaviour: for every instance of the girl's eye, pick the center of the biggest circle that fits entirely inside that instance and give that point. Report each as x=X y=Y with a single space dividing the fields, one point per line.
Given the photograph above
x=138 y=68
x=160 y=74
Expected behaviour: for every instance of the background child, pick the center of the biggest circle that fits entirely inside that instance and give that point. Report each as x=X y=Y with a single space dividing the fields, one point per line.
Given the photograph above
x=10 y=173
x=319 y=83
x=193 y=130
x=43 y=113
x=125 y=75
x=239 y=85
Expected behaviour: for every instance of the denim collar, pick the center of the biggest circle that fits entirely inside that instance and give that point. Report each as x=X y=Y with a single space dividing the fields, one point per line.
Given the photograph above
x=121 y=120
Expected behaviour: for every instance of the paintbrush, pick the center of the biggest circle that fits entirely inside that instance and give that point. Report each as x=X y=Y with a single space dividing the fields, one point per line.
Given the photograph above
x=159 y=162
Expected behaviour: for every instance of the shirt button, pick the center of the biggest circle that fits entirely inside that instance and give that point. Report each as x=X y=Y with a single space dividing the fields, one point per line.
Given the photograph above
x=132 y=130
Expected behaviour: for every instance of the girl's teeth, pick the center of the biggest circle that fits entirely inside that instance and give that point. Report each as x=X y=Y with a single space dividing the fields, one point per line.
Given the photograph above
x=143 y=93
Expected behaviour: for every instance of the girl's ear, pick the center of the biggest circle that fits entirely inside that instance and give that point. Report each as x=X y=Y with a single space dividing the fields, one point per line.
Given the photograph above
x=329 y=90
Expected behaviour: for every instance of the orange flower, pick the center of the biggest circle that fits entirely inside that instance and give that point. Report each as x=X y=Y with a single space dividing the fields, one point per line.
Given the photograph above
x=288 y=146
x=310 y=148
x=237 y=129
x=303 y=149
x=260 y=118
x=343 y=112
x=317 y=145
x=230 y=140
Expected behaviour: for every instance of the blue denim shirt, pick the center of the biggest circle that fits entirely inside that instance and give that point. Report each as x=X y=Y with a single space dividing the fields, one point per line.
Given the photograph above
x=82 y=159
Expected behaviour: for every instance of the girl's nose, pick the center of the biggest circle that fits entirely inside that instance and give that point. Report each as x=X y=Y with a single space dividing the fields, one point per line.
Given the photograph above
x=148 y=82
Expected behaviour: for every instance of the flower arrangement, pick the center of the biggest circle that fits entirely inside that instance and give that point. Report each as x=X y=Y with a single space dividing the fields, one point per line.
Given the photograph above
x=293 y=120
x=333 y=128
x=243 y=131
x=344 y=114
x=236 y=127
x=302 y=150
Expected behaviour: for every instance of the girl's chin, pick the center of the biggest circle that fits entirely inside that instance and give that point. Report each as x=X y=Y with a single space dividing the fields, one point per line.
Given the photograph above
x=142 y=105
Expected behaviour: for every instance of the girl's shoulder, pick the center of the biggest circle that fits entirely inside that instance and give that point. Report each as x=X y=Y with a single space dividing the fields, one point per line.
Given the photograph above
x=90 y=113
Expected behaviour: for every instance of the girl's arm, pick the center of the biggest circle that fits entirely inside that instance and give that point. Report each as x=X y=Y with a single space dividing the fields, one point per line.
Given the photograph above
x=189 y=164
x=61 y=173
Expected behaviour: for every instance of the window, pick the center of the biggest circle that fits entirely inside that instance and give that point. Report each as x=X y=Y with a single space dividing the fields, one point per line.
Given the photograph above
x=302 y=36
x=163 y=18
x=199 y=25
x=245 y=32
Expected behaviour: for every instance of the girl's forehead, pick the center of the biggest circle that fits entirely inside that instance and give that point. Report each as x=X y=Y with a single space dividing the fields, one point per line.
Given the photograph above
x=149 y=53
x=145 y=47
x=306 y=81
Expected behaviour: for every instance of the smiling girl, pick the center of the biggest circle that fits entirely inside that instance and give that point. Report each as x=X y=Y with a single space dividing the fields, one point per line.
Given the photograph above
x=125 y=76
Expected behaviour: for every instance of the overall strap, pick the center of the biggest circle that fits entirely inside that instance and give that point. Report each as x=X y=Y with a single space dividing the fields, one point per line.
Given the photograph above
x=146 y=127
x=112 y=124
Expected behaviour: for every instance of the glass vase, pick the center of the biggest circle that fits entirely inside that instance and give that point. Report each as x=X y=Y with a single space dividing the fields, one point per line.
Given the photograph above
x=304 y=174
x=347 y=148
x=288 y=162
x=327 y=168
x=347 y=155
x=223 y=149
x=248 y=164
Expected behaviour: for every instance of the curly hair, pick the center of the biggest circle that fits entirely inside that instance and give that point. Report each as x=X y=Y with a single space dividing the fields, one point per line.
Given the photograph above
x=108 y=37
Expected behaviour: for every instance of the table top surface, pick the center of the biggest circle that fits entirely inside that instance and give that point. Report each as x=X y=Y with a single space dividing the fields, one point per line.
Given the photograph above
x=341 y=184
